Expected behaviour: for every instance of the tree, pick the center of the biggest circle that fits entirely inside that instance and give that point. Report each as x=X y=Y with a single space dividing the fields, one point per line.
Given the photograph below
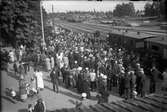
x=124 y=10
x=152 y=9
x=109 y=14
x=20 y=20
x=163 y=8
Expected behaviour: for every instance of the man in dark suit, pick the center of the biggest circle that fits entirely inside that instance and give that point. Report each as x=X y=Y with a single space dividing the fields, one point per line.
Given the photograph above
x=54 y=75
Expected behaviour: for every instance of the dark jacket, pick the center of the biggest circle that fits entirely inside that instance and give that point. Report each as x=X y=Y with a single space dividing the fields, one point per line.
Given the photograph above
x=54 y=75
x=127 y=81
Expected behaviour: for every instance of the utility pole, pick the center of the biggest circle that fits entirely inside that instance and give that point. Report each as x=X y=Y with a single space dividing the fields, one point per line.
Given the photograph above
x=53 y=19
x=43 y=36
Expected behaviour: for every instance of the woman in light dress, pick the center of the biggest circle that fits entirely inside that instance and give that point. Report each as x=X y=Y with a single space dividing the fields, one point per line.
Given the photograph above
x=39 y=80
x=12 y=56
x=48 y=64
x=52 y=62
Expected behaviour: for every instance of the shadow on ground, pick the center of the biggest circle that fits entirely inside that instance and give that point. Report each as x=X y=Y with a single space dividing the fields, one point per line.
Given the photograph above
x=8 y=99
x=11 y=74
x=66 y=93
x=25 y=110
x=22 y=110
x=71 y=95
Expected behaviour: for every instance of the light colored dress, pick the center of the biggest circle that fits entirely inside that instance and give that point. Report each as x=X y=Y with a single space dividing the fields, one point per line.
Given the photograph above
x=164 y=84
x=39 y=79
x=11 y=54
x=48 y=65
x=52 y=62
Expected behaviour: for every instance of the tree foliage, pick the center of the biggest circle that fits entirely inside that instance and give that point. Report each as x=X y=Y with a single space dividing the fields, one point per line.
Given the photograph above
x=155 y=8
x=20 y=20
x=124 y=10
x=151 y=9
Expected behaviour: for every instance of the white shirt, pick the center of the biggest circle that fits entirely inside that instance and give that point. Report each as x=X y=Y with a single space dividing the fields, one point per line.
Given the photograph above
x=92 y=76
x=164 y=74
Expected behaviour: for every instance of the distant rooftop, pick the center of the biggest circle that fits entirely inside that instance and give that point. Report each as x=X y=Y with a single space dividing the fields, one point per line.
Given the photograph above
x=159 y=40
x=132 y=34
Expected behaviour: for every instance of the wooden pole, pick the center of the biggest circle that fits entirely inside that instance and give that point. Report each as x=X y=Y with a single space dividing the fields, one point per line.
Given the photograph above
x=53 y=19
x=43 y=36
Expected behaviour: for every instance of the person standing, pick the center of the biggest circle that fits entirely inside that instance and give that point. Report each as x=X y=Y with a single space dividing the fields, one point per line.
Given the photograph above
x=54 y=75
x=164 y=83
x=92 y=79
x=15 y=67
x=39 y=79
x=86 y=86
x=48 y=65
x=21 y=68
x=84 y=103
x=11 y=55
x=132 y=82
x=52 y=62
x=154 y=76
x=39 y=106
x=127 y=85
x=22 y=88
x=121 y=83
x=143 y=83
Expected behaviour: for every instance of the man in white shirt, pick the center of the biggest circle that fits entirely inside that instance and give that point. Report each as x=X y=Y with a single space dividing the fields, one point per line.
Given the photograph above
x=92 y=79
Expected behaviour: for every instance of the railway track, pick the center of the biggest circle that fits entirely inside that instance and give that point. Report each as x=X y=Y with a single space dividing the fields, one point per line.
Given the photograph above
x=106 y=29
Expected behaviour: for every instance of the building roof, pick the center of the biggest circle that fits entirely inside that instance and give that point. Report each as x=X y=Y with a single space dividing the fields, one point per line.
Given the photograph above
x=159 y=40
x=132 y=34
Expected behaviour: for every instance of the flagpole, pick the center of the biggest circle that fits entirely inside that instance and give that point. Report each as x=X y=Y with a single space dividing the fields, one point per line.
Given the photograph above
x=43 y=36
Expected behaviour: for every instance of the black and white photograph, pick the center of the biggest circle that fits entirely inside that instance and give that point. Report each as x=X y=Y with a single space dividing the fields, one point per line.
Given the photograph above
x=83 y=56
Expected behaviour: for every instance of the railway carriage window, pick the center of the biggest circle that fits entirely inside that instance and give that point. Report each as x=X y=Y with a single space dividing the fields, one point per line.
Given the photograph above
x=131 y=42
x=155 y=48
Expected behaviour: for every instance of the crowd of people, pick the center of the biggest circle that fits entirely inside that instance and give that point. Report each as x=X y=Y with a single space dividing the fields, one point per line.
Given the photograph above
x=88 y=64
x=81 y=61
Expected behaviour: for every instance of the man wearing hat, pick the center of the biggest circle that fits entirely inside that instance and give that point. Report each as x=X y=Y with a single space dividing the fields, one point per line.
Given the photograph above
x=40 y=106
x=86 y=87
x=154 y=76
x=121 y=82
x=54 y=75
x=127 y=85
x=140 y=82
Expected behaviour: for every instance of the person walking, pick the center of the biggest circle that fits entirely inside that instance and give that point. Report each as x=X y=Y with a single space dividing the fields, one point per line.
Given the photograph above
x=54 y=75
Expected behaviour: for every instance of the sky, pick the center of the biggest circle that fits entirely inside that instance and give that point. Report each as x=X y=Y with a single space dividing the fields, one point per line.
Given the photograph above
x=64 y=6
